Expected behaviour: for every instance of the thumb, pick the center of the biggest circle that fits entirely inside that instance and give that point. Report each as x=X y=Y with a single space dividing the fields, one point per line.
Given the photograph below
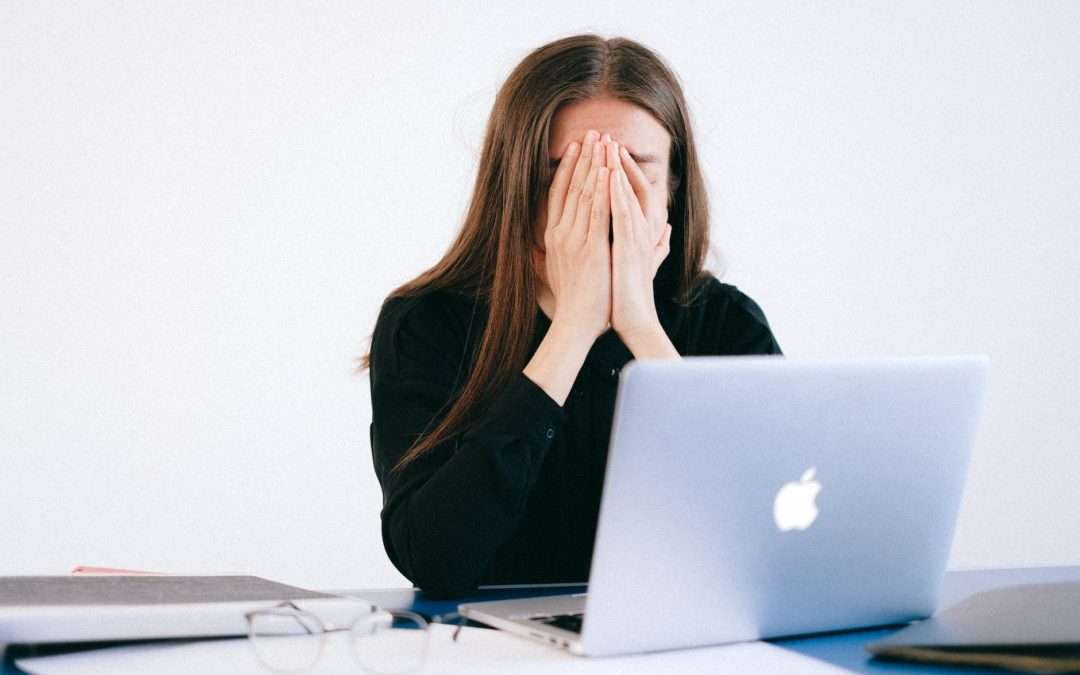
x=665 y=237
x=663 y=247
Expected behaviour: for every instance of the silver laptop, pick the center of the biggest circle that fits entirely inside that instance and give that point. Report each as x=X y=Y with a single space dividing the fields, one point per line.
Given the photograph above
x=752 y=497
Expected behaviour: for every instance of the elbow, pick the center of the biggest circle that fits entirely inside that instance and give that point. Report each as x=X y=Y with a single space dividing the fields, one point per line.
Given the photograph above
x=437 y=585
x=430 y=564
x=442 y=572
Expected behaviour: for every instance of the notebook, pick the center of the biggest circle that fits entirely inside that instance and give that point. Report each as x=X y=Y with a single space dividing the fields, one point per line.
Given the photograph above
x=1030 y=627
x=76 y=608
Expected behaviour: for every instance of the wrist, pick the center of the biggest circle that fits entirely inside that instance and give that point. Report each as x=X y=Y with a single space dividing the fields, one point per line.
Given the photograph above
x=640 y=332
x=650 y=343
x=573 y=332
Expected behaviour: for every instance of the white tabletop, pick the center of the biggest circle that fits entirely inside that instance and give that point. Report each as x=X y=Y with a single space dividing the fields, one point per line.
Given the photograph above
x=477 y=650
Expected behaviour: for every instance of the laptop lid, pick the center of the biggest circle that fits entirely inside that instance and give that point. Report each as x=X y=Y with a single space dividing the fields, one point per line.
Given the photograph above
x=756 y=496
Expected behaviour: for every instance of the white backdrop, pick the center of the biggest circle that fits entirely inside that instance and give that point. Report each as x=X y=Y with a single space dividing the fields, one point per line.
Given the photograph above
x=202 y=206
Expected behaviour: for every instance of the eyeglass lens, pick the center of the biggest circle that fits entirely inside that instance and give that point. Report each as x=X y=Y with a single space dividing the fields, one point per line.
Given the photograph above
x=383 y=643
x=390 y=643
x=286 y=642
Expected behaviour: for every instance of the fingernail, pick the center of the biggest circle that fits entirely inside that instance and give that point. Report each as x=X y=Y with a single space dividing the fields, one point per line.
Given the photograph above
x=624 y=153
x=591 y=136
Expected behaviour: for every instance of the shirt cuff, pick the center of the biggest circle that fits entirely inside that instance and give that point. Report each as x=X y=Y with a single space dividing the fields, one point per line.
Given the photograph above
x=524 y=406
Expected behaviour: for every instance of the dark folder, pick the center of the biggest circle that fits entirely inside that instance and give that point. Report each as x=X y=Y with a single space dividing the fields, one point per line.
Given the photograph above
x=1032 y=627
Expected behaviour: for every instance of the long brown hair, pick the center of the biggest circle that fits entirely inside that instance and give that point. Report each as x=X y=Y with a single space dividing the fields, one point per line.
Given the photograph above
x=491 y=257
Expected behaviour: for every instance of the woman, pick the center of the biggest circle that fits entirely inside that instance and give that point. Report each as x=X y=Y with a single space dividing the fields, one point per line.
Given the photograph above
x=494 y=373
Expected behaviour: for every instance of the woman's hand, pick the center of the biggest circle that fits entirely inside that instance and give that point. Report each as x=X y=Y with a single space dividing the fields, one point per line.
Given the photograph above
x=639 y=246
x=578 y=254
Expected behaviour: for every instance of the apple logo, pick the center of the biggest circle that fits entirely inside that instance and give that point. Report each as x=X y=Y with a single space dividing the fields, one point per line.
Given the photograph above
x=794 y=508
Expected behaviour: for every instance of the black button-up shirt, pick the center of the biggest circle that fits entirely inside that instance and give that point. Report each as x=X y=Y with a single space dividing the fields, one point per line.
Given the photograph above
x=516 y=498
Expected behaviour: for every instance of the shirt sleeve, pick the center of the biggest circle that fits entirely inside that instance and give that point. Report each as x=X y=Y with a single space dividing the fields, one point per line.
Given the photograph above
x=744 y=329
x=445 y=514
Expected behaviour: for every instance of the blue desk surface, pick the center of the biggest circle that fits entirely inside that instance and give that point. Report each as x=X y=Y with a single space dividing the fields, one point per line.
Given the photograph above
x=840 y=648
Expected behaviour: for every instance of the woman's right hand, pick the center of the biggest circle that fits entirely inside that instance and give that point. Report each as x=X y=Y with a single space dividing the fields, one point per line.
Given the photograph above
x=578 y=252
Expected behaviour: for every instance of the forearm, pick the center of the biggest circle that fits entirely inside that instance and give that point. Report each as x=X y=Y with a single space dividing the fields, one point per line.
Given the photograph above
x=446 y=514
x=447 y=531
x=555 y=365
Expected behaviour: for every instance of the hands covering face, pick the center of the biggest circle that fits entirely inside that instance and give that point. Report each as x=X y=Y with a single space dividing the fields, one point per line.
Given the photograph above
x=605 y=239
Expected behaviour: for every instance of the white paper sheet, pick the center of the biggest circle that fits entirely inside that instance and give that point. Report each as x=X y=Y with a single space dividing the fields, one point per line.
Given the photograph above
x=477 y=650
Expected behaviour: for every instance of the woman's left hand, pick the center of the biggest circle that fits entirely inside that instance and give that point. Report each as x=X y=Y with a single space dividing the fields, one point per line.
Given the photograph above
x=639 y=245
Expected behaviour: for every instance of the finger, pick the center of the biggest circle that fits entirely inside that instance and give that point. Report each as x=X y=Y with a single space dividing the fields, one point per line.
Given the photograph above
x=635 y=216
x=620 y=208
x=612 y=160
x=601 y=209
x=560 y=182
x=578 y=180
x=579 y=229
x=579 y=217
x=638 y=180
x=643 y=225
x=584 y=210
x=612 y=157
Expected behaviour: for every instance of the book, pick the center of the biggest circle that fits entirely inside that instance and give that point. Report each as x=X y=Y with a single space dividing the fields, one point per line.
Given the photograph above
x=1029 y=627
x=86 y=607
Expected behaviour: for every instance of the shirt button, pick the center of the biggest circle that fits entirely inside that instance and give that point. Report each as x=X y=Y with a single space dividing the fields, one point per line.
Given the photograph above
x=613 y=371
x=550 y=432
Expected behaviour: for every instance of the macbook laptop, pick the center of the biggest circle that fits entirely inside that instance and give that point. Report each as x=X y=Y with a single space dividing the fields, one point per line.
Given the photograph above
x=751 y=497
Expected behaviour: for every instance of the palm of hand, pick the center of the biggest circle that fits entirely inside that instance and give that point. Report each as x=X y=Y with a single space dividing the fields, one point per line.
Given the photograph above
x=640 y=243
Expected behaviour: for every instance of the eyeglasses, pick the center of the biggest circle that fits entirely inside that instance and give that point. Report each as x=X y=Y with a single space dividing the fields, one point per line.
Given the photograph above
x=287 y=639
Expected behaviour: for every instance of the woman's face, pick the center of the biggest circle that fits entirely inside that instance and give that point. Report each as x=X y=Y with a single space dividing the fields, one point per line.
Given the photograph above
x=629 y=126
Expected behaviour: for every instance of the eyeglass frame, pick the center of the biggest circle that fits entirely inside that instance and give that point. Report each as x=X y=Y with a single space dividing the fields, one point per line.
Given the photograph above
x=326 y=627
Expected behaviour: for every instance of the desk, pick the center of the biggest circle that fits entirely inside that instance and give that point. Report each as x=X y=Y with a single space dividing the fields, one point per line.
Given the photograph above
x=842 y=649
